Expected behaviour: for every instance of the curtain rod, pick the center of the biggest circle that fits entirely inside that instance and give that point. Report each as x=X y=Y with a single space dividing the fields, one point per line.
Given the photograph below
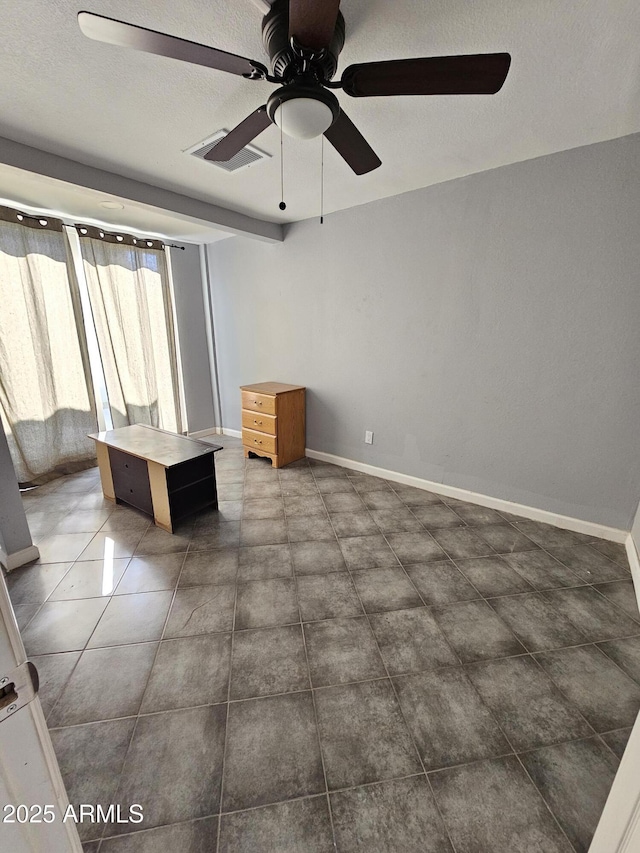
x=123 y=238
x=46 y=222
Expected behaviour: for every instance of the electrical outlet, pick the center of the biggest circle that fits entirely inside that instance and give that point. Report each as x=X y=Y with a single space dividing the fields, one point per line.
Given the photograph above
x=368 y=437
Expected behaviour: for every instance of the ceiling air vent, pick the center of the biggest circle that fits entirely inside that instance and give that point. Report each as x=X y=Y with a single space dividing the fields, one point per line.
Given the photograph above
x=246 y=157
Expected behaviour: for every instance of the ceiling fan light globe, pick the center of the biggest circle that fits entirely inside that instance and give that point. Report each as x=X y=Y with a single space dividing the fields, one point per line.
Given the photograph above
x=303 y=118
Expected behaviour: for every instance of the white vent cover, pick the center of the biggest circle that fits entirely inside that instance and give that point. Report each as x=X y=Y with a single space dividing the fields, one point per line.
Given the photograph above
x=244 y=158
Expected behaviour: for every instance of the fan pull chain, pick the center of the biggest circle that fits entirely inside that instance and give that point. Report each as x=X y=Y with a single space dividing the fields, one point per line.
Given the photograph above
x=282 y=204
x=322 y=180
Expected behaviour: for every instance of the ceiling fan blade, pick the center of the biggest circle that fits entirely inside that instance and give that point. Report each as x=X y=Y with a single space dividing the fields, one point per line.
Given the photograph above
x=127 y=35
x=312 y=22
x=240 y=136
x=352 y=146
x=475 y=74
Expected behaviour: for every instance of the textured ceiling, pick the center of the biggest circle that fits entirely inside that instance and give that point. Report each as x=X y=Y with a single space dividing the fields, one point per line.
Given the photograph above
x=574 y=79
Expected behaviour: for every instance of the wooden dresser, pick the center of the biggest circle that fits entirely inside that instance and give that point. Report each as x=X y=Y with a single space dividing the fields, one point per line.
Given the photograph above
x=273 y=419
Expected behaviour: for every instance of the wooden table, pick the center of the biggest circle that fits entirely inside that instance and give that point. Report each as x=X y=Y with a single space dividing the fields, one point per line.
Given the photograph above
x=161 y=473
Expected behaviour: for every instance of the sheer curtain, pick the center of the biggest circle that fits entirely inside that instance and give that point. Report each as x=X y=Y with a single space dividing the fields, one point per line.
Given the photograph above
x=131 y=304
x=46 y=396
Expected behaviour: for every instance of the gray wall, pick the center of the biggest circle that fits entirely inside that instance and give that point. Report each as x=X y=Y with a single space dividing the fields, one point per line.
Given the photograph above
x=14 y=529
x=486 y=329
x=187 y=286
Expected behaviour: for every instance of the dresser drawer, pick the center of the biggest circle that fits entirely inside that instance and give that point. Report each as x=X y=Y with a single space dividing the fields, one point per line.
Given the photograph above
x=259 y=403
x=258 y=421
x=124 y=466
x=259 y=440
x=131 y=480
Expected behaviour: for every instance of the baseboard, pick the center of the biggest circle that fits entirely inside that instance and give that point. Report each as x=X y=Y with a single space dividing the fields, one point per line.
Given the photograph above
x=236 y=433
x=577 y=525
x=634 y=564
x=19 y=558
x=201 y=433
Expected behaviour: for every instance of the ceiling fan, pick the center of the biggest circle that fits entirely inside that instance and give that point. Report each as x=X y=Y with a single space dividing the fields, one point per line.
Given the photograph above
x=303 y=39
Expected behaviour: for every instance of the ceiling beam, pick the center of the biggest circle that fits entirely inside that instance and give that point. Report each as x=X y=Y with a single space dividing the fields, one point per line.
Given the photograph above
x=71 y=172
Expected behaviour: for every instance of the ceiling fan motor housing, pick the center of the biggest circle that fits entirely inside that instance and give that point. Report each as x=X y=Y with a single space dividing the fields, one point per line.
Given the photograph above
x=285 y=62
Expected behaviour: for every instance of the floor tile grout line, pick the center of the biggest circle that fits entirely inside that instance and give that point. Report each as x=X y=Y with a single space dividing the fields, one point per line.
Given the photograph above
x=109 y=597
x=514 y=524
x=261 y=806
x=617 y=729
x=608 y=656
x=347 y=788
x=508 y=740
x=520 y=639
x=319 y=687
x=64 y=687
x=399 y=706
x=400 y=563
x=457 y=560
x=555 y=607
x=118 y=784
x=547 y=805
x=446 y=553
x=444 y=767
x=313 y=698
x=535 y=590
x=554 y=683
x=228 y=702
x=553 y=556
x=608 y=746
x=569 y=701
x=452 y=604
x=562 y=692
x=463 y=524
x=409 y=731
x=591 y=582
x=603 y=597
x=612 y=603
x=441 y=631
x=471 y=584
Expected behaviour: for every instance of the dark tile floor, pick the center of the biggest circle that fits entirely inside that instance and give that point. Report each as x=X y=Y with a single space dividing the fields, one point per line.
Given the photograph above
x=330 y=659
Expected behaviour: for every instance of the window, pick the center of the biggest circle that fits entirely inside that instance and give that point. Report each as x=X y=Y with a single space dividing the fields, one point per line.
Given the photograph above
x=70 y=333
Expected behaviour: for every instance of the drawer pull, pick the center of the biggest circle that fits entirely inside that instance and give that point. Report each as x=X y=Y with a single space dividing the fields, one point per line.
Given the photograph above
x=258 y=422
x=255 y=441
x=257 y=402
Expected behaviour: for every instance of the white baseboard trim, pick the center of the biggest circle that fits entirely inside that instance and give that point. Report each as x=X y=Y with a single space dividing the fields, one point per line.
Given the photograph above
x=236 y=433
x=201 y=433
x=577 y=525
x=19 y=558
x=634 y=564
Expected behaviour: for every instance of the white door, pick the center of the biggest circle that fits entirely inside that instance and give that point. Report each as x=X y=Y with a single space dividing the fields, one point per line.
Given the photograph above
x=619 y=827
x=29 y=775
